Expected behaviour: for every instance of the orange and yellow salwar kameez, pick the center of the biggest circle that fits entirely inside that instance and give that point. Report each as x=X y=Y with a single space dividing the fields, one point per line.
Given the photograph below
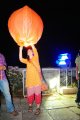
x=33 y=78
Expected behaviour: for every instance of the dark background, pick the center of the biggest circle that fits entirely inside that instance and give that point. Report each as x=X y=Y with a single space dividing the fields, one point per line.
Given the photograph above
x=61 y=30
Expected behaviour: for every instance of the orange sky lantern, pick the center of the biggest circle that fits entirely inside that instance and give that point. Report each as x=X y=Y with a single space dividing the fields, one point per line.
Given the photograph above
x=25 y=26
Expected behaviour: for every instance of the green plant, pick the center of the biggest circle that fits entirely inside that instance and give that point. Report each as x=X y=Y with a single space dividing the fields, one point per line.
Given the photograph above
x=74 y=84
x=15 y=79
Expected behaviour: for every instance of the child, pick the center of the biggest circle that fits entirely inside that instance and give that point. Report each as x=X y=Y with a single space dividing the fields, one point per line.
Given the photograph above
x=33 y=77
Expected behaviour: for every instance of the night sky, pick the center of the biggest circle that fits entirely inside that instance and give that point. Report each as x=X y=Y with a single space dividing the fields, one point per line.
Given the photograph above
x=61 y=30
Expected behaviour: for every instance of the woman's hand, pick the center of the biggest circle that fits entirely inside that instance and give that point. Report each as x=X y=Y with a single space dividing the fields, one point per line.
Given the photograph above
x=77 y=77
x=21 y=47
x=20 y=52
x=2 y=67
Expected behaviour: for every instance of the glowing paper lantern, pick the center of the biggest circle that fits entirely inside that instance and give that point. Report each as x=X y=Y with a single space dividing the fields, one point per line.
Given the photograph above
x=25 y=26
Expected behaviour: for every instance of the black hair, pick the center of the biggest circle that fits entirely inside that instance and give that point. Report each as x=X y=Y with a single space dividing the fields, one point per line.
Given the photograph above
x=29 y=48
x=78 y=52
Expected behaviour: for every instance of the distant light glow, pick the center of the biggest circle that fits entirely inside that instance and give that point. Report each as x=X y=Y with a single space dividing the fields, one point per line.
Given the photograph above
x=62 y=63
x=64 y=57
x=53 y=83
x=64 y=60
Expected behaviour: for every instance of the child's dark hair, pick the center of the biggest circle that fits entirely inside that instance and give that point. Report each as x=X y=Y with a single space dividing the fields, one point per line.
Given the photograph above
x=29 y=48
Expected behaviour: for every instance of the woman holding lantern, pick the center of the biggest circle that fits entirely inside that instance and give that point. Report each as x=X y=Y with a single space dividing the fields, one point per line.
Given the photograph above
x=33 y=77
x=26 y=27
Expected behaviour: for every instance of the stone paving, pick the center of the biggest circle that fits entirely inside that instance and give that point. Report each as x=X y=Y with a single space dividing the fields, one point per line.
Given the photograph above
x=53 y=107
